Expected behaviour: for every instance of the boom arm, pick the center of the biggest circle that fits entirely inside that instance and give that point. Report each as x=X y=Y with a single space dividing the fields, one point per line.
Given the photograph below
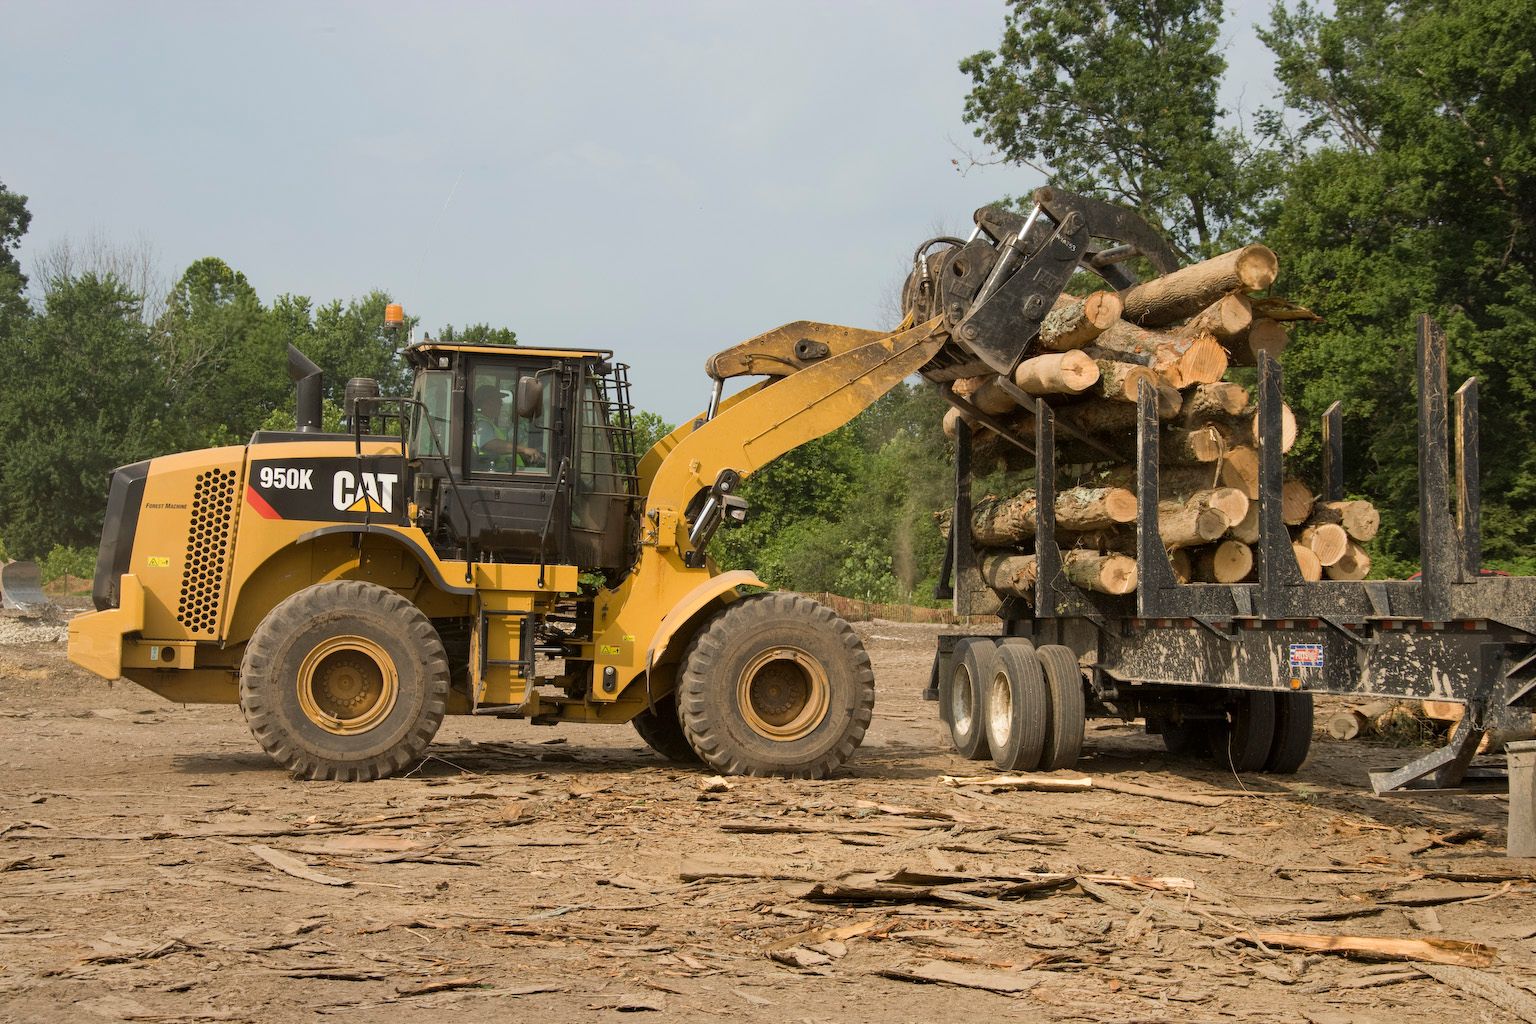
x=800 y=406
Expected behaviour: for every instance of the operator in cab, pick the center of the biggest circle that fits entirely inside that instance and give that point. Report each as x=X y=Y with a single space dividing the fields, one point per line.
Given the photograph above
x=496 y=449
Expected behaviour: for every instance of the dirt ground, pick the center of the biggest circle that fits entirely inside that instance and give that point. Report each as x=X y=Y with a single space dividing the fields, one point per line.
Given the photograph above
x=155 y=866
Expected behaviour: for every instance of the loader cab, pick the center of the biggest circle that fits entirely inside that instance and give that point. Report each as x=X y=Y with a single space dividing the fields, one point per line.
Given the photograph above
x=524 y=455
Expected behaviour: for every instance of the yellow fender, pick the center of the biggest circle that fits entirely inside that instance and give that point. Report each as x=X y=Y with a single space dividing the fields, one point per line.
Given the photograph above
x=695 y=601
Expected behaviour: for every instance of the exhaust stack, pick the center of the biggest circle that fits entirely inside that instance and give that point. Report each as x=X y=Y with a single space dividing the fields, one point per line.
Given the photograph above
x=306 y=391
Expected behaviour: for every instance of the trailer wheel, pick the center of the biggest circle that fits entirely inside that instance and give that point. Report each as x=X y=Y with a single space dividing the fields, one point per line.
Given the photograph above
x=1243 y=743
x=662 y=731
x=776 y=684
x=344 y=680
x=1018 y=705
x=1191 y=737
x=1064 y=728
x=1293 y=733
x=963 y=696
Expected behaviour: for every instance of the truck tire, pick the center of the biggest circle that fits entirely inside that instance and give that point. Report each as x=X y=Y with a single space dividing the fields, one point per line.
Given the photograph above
x=662 y=731
x=344 y=680
x=776 y=684
x=1190 y=737
x=1064 y=727
x=963 y=696
x=1017 y=707
x=1293 y=733
x=1243 y=743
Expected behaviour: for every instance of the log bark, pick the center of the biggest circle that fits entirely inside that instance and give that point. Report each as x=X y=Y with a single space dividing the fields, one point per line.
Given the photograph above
x=1328 y=541
x=1306 y=561
x=1181 y=360
x=1226 y=319
x=1072 y=325
x=1220 y=401
x=1173 y=482
x=1359 y=518
x=1187 y=526
x=1202 y=444
x=1227 y=562
x=1057 y=373
x=1188 y=290
x=1296 y=501
x=1121 y=381
x=984 y=394
x=952 y=416
x=1354 y=565
x=1091 y=570
x=1000 y=522
x=1264 y=336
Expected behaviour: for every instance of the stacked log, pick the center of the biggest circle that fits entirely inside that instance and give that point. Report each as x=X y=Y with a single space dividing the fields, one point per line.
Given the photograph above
x=1180 y=335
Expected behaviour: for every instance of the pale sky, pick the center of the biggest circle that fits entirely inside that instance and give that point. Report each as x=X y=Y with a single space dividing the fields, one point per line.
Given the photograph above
x=661 y=179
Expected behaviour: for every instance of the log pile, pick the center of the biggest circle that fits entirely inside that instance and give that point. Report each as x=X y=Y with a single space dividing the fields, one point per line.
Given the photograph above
x=1180 y=334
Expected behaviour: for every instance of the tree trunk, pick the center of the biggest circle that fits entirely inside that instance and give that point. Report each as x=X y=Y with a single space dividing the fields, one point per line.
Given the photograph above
x=1228 y=318
x=1202 y=444
x=1181 y=360
x=1264 y=336
x=1220 y=401
x=999 y=522
x=1247 y=530
x=1240 y=469
x=1072 y=325
x=1296 y=501
x=1306 y=561
x=1328 y=541
x=1091 y=570
x=1355 y=565
x=1057 y=373
x=1188 y=290
x=1187 y=526
x=1182 y=564
x=984 y=394
x=1228 y=562
x=1121 y=381
x=1359 y=518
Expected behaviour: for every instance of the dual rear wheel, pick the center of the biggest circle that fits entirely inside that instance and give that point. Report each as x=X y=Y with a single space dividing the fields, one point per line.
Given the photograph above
x=1018 y=705
x=1257 y=731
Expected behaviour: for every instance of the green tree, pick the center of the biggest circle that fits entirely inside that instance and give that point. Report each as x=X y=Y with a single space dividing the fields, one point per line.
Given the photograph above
x=346 y=340
x=81 y=402
x=14 y=219
x=220 y=356
x=478 y=334
x=1411 y=191
x=1119 y=98
x=650 y=428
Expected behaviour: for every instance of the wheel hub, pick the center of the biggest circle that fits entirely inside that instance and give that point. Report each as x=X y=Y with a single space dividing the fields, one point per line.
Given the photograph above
x=347 y=685
x=783 y=693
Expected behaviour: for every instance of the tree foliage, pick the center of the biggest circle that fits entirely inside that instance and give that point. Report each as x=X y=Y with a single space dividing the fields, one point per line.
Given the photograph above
x=1119 y=98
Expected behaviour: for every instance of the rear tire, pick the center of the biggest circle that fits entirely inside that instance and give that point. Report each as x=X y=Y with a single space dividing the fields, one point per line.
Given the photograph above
x=962 y=696
x=1293 y=733
x=1243 y=744
x=1017 y=708
x=662 y=731
x=776 y=684
x=346 y=681
x=1064 y=728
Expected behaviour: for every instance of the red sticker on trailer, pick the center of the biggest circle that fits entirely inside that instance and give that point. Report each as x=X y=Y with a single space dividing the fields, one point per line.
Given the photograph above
x=1306 y=655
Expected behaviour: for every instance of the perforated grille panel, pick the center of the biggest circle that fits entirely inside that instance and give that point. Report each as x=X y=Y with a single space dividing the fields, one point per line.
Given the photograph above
x=202 y=582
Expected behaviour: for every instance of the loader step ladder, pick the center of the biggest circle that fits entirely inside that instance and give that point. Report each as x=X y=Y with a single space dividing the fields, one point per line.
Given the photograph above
x=522 y=666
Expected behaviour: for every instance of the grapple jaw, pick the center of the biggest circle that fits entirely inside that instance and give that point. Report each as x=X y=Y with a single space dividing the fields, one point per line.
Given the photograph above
x=996 y=288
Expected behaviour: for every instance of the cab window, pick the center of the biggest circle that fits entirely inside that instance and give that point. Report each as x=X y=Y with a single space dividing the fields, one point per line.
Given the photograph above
x=504 y=438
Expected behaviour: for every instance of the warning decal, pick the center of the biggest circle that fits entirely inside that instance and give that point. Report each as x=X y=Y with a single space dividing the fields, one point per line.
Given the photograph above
x=1306 y=655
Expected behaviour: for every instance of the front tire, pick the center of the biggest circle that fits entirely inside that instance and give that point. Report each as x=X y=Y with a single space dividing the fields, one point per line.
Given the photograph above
x=346 y=681
x=776 y=684
x=662 y=731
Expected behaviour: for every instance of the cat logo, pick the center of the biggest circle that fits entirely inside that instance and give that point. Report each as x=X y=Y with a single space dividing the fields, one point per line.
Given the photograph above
x=363 y=492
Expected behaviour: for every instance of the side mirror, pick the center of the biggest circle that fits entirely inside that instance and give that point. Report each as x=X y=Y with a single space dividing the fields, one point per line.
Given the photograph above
x=530 y=398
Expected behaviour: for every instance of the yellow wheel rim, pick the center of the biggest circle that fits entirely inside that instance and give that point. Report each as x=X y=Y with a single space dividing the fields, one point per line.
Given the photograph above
x=348 y=685
x=783 y=694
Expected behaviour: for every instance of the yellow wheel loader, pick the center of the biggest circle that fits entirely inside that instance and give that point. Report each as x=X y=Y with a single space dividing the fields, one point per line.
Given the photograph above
x=492 y=545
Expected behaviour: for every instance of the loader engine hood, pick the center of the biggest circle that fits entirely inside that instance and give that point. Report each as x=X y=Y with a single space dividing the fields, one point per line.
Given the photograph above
x=124 y=499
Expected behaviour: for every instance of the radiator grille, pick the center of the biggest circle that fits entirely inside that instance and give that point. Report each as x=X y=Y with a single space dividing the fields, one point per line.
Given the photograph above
x=202 y=581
